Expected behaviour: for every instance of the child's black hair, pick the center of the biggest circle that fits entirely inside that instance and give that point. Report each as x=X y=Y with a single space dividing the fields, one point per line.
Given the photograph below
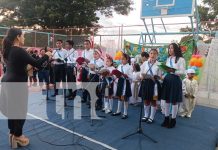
x=177 y=51
x=137 y=67
x=127 y=58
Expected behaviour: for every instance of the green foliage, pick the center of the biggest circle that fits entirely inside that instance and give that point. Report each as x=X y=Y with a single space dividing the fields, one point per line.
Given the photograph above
x=59 y=13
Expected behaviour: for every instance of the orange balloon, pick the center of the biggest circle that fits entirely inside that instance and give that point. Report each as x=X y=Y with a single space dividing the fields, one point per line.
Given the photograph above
x=198 y=64
x=192 y=61
x=116 y=58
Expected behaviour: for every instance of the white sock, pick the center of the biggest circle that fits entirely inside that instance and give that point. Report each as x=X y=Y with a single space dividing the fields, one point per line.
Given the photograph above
x=153 y=112
x=125 y=108
x=174 y=111
x=106 y=103
x=146 y=110
x=119 y=106
x=162 y=104
x=167 y=109
x=110 y=104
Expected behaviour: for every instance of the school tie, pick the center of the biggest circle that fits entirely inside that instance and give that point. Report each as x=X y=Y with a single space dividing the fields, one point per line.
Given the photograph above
x=171 y=62
x=122 y=69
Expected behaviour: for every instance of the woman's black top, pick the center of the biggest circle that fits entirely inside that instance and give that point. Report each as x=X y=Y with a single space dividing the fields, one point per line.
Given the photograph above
x=17 y=62
x=14 y=90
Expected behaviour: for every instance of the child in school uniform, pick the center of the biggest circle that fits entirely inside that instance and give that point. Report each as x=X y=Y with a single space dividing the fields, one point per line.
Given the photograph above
x=172 y=84
x=106 y=89
x=108 y=101
x=124 y=86
x=95 y=65
x=190 y=88
x=149 y=86
x=135 y=84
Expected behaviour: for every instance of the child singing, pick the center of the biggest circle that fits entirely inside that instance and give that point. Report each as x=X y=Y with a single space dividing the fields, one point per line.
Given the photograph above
x=108 y=101
x=149 y=88
x=123 y=86
x=172 y=84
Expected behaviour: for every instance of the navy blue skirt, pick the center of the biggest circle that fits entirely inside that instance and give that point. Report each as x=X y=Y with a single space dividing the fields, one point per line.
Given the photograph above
x=146 y=91
x=159 y=88
x=120 y=85
x=107 y=91
x=93 y=78
x=172 y=88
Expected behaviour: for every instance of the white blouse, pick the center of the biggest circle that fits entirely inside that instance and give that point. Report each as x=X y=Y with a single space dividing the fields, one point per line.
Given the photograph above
x=136 y=76
x=149 y=69
x=98 y=63
x=180 y=65
x=126 y=69
x=88 y=54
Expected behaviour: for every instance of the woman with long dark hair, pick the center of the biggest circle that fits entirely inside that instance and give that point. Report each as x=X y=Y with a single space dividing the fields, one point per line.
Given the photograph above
x=172 y=84
x=14 y=91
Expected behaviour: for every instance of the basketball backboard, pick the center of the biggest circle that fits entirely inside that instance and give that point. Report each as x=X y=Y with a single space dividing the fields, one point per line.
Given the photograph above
x=167 y=8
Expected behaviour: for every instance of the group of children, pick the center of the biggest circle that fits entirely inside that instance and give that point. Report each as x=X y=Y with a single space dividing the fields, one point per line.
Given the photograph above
x=131 y=83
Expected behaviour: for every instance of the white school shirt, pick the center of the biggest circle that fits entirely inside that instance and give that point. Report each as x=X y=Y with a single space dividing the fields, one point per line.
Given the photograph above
x=180 y=65
x=126 y=69
x=155 y=69
x=61 y=54
x=72 y=55
x=136 y=76
x=88 y=54
x=99 y=63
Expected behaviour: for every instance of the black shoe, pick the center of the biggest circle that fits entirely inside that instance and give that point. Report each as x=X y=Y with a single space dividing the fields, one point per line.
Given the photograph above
x=149 y=121
x=166 y=122
x=124 y=116
x=172 y=123
x=144 y=119
x=116 y=114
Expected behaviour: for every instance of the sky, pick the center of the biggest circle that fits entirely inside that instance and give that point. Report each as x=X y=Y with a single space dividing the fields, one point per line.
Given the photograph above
x=133 y=18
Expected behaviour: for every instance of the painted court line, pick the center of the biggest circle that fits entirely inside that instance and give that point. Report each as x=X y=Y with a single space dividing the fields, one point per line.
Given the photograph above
x=70 y=131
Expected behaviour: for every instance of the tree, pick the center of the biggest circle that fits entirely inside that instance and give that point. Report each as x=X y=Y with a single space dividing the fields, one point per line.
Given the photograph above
x=59 y=13
x=209 y=12
x=213 y=7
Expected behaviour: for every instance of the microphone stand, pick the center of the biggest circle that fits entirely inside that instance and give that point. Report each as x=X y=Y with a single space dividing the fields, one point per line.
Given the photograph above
x=64 y=88
x=139 y=129
x=87 y=116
